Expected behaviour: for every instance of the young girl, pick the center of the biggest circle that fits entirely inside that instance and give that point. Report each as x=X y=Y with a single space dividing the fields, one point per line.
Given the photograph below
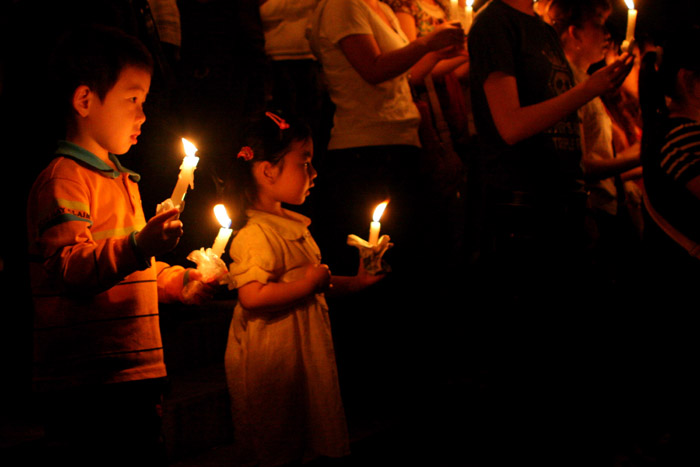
x=280 y=362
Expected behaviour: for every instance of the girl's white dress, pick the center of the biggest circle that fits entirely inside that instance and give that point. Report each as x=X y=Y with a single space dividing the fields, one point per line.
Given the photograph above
x=280 y=367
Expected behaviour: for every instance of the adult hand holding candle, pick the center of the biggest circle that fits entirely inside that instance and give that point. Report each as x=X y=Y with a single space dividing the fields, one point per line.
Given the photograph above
x=375 y=226
x=185 y=178
x=224 y=232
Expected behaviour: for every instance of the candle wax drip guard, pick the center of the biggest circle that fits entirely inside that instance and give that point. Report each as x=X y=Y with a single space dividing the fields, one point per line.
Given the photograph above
x=210 y=265
x=167 y=205
x=371 y=255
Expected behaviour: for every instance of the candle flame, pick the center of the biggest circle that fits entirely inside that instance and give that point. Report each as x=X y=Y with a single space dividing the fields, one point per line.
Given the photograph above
x=379 y=210
x=190 y=149
x=630 y=4
x=470 y=2
x=222 y=216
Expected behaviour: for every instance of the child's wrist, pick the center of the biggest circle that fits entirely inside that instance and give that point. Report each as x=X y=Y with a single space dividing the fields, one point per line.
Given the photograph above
x=141 y=256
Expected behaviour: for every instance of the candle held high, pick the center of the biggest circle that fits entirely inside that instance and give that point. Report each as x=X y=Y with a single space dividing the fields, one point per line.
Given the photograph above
x=631 y=24
x=185 y=178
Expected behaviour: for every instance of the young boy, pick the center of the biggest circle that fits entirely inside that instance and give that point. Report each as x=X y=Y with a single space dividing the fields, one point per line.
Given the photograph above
x=98 y=356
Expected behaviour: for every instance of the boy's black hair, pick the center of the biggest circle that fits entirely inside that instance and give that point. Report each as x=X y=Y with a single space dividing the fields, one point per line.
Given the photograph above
x=95 y=56
x=267 y=142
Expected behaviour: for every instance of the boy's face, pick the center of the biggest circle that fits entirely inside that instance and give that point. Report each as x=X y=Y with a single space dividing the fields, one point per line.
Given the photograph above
x=114 y=124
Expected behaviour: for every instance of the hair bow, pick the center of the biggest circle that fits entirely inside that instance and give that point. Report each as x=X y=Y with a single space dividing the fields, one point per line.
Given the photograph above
x=278 y=120
x=246 y=153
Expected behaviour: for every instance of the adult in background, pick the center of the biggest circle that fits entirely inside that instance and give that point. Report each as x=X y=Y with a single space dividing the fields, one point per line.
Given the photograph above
x=525 y=102
x=374 y=154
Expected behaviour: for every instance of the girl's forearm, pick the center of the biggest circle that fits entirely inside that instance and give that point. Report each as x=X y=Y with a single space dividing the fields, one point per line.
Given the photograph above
x=274 y=296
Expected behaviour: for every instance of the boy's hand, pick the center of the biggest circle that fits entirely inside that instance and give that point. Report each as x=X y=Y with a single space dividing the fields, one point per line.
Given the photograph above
x=161 y=233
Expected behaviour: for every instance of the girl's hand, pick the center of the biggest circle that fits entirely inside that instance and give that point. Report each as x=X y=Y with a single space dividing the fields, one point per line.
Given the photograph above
x=365 y=279
x=196 y=292
x=319 y=275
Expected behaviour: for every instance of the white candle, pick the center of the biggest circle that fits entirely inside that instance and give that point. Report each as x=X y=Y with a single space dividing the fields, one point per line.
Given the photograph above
x=224 y=232
x=631 y=20
x=185 y=178
x=469 y=16
x=374 y=226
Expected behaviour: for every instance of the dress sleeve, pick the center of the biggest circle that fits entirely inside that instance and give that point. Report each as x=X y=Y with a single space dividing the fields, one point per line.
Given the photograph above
x=67 y=247
x=253 y=257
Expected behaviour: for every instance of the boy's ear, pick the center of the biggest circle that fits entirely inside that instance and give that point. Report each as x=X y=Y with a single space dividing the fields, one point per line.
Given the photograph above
x=82 y=98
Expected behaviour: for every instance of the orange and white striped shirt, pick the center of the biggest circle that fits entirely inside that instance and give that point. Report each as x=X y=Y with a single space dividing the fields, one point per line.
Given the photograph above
x=95 y=298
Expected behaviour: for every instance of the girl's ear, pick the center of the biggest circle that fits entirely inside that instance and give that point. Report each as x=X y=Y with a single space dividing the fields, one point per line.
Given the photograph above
x=267 y=172
x=82 y=98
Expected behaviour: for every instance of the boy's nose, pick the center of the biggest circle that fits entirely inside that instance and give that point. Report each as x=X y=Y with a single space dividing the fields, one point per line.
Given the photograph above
x=141 y=117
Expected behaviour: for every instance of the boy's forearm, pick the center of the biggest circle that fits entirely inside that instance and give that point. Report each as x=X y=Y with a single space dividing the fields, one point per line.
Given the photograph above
x=93 y=267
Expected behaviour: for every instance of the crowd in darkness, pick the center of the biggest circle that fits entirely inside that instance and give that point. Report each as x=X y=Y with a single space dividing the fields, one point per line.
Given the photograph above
x=494 y=281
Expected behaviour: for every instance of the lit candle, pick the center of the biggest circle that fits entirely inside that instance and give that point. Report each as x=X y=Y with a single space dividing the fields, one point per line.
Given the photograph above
x=631 y=20
x=224 y=232
x=469 y=16
x=374 y=226
x=186 y=176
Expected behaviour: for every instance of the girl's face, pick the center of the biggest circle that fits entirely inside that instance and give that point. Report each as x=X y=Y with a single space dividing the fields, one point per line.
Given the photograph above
x=295 y=174
x=594 y=38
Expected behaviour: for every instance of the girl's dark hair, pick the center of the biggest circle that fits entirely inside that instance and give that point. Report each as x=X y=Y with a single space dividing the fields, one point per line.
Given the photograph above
x=95 y=56
x=565 y=13
x=269 y=138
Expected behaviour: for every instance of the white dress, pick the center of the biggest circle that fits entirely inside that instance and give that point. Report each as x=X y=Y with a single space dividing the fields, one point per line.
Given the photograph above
x=280 y=367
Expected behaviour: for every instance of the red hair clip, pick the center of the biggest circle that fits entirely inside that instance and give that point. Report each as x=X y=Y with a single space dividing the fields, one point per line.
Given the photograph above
x=246 y=153
x=278 y=120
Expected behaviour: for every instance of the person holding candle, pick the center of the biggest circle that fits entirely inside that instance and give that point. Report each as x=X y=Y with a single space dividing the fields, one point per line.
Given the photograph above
x=368 y=61
x=98 y=356
x=280 y=359
x=525 y=103
x=669 y=94
x=581 y=25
